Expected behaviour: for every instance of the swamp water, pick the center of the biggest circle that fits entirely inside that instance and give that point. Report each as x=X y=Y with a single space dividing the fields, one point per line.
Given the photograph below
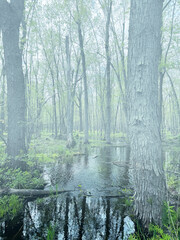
x=95 y=209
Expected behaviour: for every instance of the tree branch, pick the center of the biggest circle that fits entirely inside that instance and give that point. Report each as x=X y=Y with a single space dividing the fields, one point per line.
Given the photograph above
x=166 y=5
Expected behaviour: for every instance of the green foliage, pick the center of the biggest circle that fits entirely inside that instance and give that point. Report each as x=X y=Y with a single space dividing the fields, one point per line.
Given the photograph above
x=158 y=233
x=128 y=202
x=171 y=219
x=119 y=135
x=65 y=152
x=170 y=230
x=132 y=237
x=50 y=150
x=10 y=206
x=16 y=178
x=82 y=13
x=172 y=181
x=51 y=233
x=173 y=138
x=39 y=201
x=45 y=158
x=28 y=175
x=3 y=154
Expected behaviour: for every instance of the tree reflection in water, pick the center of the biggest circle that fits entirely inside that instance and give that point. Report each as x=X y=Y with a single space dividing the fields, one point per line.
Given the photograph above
x=77 y=218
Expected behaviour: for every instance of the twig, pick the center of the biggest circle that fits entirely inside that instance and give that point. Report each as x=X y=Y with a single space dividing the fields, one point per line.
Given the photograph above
x=3 y=139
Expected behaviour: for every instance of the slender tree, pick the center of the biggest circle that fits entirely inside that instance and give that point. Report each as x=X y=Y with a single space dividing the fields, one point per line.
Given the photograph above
x=81 y=44
x=143 y=109
x=70 y=140
x=2 y=99
x=108 y=75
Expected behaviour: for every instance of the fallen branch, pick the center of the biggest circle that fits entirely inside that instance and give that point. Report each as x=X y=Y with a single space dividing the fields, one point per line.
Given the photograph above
x=32 y=192
x=79 y=154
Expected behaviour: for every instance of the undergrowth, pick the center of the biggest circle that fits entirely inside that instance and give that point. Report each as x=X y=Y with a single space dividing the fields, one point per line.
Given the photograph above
x=169 y=231
x=10 y=206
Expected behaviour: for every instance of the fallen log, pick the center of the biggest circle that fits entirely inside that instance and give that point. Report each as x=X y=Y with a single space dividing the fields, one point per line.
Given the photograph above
x=32 y=192
x=35 y=193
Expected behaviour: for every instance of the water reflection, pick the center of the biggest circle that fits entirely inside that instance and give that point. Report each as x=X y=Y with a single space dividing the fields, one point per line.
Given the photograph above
x=79 y=215
x=75 y=218
x=94 y=172
x=12 y=229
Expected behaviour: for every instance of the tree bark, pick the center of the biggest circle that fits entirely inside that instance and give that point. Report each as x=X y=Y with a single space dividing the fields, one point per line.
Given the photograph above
x=31 y=192
x=70 y=140
x=2 y=100
x=80 y=110
x=11 y=17
x=143 y=109
x=108 y=75
x=86 y=120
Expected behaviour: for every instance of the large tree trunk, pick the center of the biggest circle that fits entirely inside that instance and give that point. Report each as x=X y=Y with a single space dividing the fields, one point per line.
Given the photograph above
x=143 y=111
x=12 y=15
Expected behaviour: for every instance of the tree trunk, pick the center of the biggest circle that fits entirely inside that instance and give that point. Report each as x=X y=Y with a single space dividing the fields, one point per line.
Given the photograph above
x=175 y=98
x=143 y=109
x=54 y=107
x=161 y=80
x=80 y=111
x=14 y=72
x=86 y=125
x=108 y=83
x=70 y=140
x=2 y=101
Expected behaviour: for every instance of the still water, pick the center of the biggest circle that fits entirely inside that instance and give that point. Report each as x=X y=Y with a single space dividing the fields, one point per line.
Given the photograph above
x=95 y=209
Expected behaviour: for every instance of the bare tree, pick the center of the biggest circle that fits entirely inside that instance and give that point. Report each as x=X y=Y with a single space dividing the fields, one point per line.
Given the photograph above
x=81 y=44
x=108 y=75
